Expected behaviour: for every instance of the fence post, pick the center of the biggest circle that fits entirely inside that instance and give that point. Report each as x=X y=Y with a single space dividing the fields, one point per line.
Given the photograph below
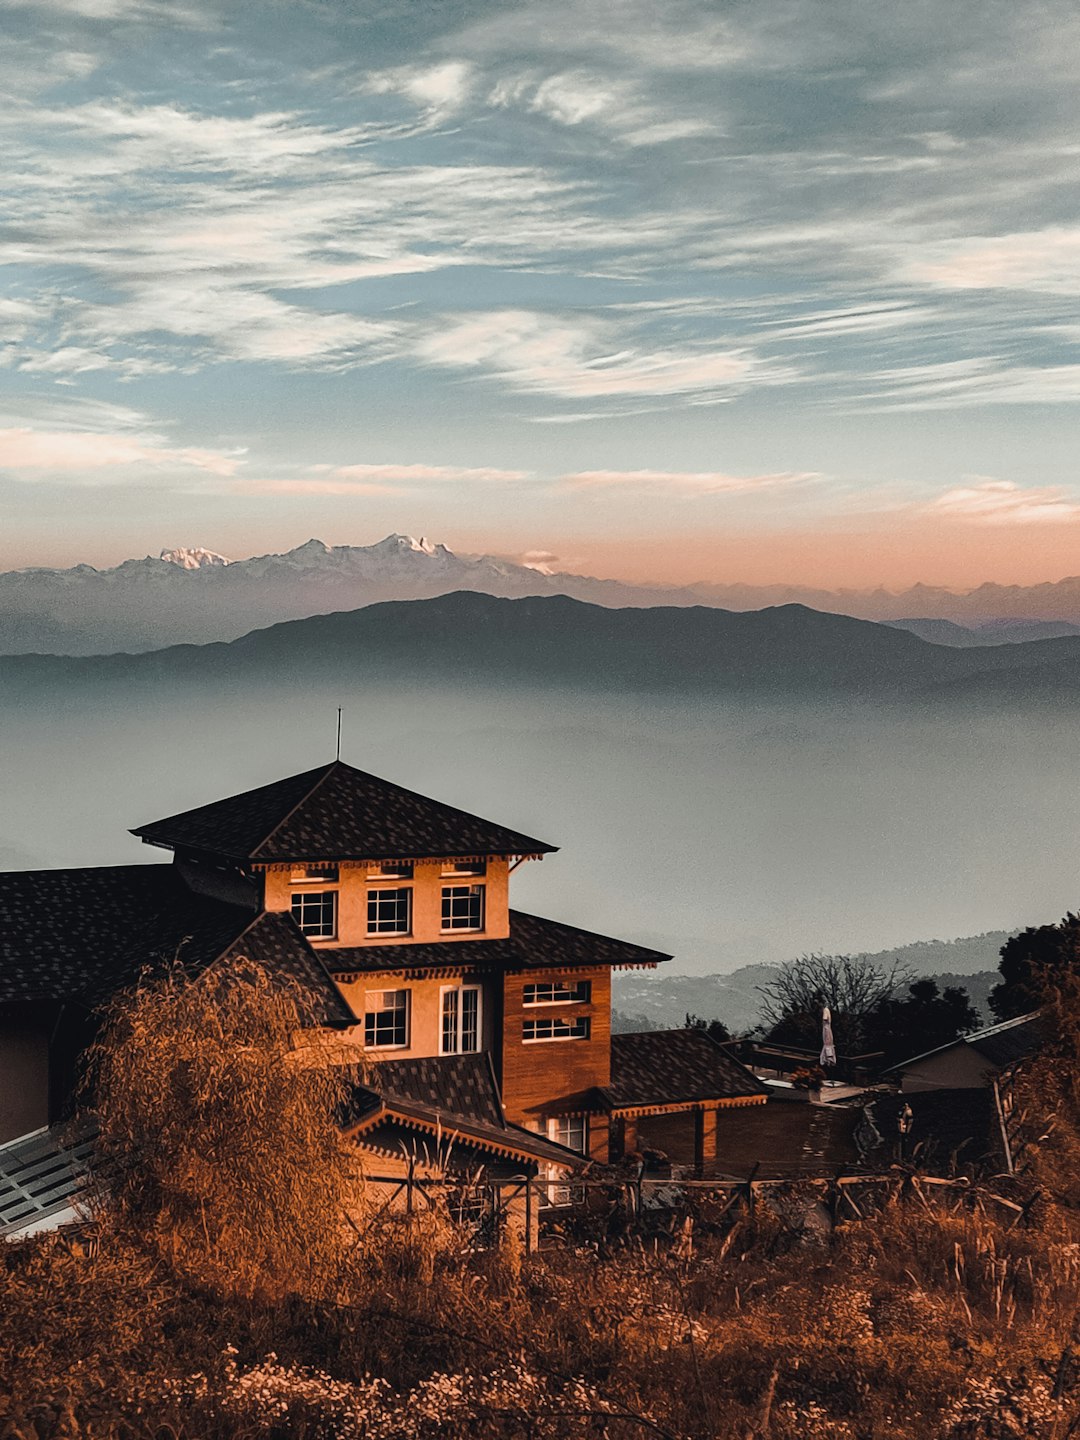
x=528 y=1214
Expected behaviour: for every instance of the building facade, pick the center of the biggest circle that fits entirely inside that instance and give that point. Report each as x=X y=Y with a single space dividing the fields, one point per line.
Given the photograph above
x=474 y=1027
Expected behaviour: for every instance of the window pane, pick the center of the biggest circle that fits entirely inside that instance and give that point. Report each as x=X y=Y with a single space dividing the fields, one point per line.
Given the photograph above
x=470 y=1022
x=449 y=1022
x=386 y=1018
x=534 y=1030
x=388 y=912
x=463 y=907
x=571 y=1131
x=461 y=1020
x=316 y=913
x=557 y=992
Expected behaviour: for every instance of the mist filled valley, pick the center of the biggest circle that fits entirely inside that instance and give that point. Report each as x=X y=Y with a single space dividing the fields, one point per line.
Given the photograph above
x=725 y=831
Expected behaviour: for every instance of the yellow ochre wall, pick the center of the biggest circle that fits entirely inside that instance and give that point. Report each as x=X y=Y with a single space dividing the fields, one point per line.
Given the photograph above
x=425 y=1024
x=427 y=884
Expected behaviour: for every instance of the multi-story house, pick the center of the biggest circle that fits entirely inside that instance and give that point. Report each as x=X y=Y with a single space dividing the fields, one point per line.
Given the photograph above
x=483 y=1030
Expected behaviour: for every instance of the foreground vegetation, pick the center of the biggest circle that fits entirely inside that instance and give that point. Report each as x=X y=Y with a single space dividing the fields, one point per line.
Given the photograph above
x=226 y=1289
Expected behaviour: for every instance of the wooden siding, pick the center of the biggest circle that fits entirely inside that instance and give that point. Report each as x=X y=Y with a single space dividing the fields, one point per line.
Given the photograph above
x=545 y=1077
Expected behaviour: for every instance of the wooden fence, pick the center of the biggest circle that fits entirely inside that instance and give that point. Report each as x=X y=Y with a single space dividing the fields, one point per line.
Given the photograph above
x=647 y=1207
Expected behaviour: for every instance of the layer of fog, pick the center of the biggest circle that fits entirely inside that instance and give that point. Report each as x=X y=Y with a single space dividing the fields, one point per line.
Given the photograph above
x=724 y=836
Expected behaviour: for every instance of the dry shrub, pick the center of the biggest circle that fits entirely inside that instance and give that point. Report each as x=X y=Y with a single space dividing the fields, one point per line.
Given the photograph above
x=231 y=1299
x=218 y=1143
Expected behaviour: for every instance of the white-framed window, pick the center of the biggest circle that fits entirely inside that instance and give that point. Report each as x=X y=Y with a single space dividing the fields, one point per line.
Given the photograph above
x=571 y=1131
x=389 y=912
x=386 y=1019
x=460 y=1033
x=533 y=1031
x=558 y=992
x=463 y=907
x=315 y=911
x=464 y=867
x=314 y=875
x=390 y=870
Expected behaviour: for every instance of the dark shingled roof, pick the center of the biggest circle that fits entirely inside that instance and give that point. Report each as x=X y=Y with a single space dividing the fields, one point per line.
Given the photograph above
x=461 y=1084
x=82 y=935
x=533 y=944
x=1000 y=1045
x=669 y=1067
x=334 y=813
x=1003 y=1045
x=450 y=1093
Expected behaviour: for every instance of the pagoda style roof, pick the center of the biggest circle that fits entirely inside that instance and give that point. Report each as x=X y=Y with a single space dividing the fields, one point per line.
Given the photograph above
x=334 y=813
x=533 y=944
x=453 y=1099
x=661 y=1069
x=81 y=935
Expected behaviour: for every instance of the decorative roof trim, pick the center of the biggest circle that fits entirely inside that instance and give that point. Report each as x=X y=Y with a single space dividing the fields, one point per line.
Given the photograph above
x=444 y=1127
x=674 y=1107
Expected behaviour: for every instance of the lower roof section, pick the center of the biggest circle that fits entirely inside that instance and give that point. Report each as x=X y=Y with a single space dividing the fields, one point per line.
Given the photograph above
x=453 y=1102
x=79 y=936
x=533 y=944
x=658 y=1070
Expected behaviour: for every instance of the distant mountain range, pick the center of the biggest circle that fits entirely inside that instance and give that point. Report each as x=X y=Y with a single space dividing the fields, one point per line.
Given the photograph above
x=196 y=596
x=643 y=999
x=464 y=640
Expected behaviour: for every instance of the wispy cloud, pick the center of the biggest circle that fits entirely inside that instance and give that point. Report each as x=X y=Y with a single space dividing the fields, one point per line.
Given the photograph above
x=682 y=481
x=986 y=501
x=585 y=359
x=1040 y=260
x=75 y=453
x=436 y=89
x=381 y=479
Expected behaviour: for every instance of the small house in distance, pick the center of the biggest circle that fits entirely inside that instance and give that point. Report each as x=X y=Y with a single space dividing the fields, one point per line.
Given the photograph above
x=971 y=1062
x=487 y=1031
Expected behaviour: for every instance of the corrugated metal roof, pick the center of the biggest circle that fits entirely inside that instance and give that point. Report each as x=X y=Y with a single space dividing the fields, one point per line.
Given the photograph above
x=42 y=1176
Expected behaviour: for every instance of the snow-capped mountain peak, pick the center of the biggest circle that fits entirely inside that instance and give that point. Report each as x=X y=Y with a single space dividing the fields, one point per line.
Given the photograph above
x=193 y=558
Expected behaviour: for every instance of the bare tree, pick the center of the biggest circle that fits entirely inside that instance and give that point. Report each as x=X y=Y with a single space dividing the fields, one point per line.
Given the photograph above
x=852 y=987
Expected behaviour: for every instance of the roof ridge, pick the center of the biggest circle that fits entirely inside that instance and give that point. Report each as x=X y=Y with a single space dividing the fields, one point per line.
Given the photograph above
x=302 y=801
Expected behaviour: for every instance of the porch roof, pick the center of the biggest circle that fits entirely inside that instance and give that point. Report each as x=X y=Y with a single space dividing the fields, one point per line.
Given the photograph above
x=453 y=1097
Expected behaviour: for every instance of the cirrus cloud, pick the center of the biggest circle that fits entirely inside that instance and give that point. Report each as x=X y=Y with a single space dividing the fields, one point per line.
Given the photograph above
x=75 y=451
x=700 y=482
x=986 y=501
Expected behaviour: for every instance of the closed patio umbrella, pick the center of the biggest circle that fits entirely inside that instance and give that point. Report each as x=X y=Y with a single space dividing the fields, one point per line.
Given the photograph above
x=828 y=1046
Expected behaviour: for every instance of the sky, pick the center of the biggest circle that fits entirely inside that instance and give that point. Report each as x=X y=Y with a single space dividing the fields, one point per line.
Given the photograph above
x=749 y=290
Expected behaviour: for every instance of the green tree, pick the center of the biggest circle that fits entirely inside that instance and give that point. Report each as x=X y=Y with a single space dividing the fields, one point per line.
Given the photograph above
x=1029 y=961
x=715 y=1029
x=921 y=1020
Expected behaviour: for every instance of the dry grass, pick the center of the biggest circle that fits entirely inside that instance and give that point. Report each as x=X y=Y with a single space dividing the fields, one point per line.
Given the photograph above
x=207 y=1312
